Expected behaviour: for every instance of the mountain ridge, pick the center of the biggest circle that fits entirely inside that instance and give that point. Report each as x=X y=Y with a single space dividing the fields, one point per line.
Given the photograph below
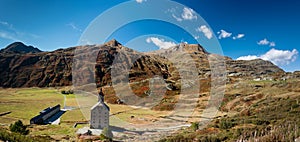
x=49 y=69
x=19 y=47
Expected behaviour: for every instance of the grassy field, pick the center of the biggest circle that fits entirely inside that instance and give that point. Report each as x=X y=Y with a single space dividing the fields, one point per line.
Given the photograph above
x=25 y=103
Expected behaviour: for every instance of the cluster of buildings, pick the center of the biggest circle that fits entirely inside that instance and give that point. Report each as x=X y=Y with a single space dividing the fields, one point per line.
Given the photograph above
x=99 y=114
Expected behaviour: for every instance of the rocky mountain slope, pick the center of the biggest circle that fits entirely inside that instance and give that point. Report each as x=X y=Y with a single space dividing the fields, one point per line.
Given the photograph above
x=26 y=66
x=19 y=47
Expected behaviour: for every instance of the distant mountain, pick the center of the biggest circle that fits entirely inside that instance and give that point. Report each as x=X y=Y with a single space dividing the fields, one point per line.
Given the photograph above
x=19 y=47
x=42 y=69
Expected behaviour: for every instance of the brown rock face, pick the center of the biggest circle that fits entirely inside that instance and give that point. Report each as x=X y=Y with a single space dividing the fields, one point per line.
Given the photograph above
x=43 y=69
x=40 y=69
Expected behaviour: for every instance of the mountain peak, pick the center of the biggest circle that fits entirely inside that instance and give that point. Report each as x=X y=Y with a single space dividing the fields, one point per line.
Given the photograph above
x=113 y=42
x=195 y=47
x=189 y=48
x=19 y=47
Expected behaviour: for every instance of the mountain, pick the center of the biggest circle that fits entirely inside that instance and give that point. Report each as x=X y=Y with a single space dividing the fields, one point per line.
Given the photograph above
x=47 y=69
x=19 y=47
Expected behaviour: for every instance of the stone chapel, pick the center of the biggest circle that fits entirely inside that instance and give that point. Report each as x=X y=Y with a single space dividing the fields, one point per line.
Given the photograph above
x=99 y=113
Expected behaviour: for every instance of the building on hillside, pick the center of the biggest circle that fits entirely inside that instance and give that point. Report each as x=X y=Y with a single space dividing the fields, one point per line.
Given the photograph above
x=45 y=115
x=99 y=113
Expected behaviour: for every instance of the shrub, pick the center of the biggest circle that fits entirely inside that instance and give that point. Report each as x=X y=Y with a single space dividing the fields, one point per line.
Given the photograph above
x=67 y=92
x=106 y=134
x=195 y=126
x=260 y=122
x=295 y=106
x=18 y=127
x=210 y=139
x=284 y=132
x=226 y=124
x=71 y=92
x=16 y=137
x=63 y=92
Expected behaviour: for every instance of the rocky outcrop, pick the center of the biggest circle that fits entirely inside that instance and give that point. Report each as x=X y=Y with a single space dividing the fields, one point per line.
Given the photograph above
x=257 y=68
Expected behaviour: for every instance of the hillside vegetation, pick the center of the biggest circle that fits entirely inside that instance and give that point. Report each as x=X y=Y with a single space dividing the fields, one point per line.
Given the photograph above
x=262 y=111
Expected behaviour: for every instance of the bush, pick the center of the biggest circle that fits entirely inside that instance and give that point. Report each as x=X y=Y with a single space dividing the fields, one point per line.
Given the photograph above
x=6 y=136
x=195 y=126
x=286 y=131
x=226 y=124
x=67 y=92
x=16 y=137
x=260 y=122
x=210 y=139
x=18 y=127
x=71 y=92
x=106 y=134
x=295 y=106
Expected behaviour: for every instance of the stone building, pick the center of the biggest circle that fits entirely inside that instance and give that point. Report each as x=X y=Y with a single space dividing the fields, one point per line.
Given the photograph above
x=99 y=113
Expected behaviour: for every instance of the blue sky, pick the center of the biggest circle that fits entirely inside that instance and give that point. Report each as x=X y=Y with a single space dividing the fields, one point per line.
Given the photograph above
x=247 y=29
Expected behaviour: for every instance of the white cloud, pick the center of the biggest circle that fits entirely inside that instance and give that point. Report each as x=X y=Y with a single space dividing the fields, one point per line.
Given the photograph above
x=188 y=14
x=177 y=18
x=161 y=43
x=74 y=27
x=248 y=57
x=8 y=32
x=3 y=23
x=239 y=36
x=278 y=57
x=205 y=30
x=6 y=24
x=272 y=44
x=224 y=34
x=265 y=41
x=140 y=1
x=8 y=36
x=149 y=40
x=86 y=42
